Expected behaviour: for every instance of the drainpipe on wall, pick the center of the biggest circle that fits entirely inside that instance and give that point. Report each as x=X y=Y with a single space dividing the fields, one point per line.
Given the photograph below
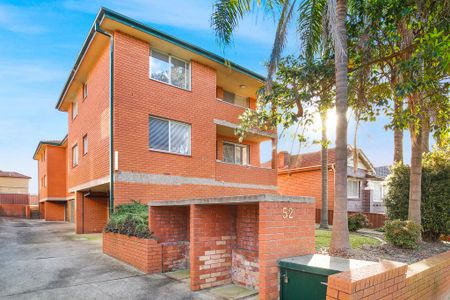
x=111 y=118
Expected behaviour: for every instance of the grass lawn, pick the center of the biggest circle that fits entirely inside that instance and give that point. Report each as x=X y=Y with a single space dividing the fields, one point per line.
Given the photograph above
x=323 y=239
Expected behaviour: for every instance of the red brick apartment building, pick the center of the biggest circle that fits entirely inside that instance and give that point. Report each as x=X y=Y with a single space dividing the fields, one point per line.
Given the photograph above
x=174 y=109
x=55 y=203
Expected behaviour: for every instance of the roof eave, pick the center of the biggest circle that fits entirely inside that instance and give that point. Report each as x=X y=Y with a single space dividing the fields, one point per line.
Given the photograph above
x=104 y=12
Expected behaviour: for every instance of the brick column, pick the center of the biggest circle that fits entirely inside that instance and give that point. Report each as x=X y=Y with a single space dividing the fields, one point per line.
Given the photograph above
x=78 y=213
x=212 y=237
x=285 y=230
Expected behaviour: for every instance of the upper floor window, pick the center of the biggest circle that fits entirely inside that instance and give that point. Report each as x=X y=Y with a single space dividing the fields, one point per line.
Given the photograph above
x=169 y=69
x=85 y=90
x=236 y=99
x=44 y=181
x=353 y=188
x=75 y=155
x=170 y=136
x=235 y=153
x=85 y=144
x=74 y=109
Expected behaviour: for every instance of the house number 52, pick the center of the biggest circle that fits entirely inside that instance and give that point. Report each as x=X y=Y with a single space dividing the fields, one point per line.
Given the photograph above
x=288 y=213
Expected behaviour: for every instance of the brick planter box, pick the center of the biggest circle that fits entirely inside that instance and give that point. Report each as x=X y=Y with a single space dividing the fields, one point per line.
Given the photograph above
x=143 y=254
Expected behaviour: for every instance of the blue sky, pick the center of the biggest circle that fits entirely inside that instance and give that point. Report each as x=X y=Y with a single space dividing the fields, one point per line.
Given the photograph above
x=39 y=41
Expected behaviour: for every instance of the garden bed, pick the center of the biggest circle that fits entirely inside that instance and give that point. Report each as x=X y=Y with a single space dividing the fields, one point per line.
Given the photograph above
x=143 y=254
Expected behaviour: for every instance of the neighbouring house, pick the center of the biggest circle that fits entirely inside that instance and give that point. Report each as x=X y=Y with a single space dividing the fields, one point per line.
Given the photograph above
x=301 y=175
x=55 y=203
x=380 y=189
x=14 y=194
x=175 y=108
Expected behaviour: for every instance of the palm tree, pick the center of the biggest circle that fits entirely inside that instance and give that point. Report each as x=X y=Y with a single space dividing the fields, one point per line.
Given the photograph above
x=225 y=18
x=324 y=169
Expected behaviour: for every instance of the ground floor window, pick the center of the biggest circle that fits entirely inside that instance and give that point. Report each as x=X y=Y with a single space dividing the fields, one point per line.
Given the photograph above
x=353 y=188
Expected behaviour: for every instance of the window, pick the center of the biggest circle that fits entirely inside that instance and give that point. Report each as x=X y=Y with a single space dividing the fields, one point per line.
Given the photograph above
x=44 y=181
x=236 y=99
x=74 y=109
x=378 y=192
x=170 y=70
x=75 y=155
x=85 y=90
x=352 y=188
x=170 y=136
x=235 y=153
x=85 y=144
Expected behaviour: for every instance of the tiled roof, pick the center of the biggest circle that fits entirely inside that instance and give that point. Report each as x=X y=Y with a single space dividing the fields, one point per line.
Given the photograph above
x=383 y=171
x=310 y=159
x=13 y=174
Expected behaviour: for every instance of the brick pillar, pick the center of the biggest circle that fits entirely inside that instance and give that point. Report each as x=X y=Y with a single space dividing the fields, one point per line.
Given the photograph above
x=212 y=238
x=79 y=226
x=285 y=229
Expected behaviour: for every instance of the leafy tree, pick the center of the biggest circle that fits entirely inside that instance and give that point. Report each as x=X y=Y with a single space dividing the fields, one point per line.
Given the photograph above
x=435 y=194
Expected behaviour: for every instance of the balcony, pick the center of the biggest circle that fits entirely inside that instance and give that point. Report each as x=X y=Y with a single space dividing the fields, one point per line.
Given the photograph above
x=247 y=161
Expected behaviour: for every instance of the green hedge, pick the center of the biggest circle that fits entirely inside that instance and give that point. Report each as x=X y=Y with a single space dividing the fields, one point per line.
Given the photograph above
x=131 y=220
x=403 y=234
x=435 y=194
x=357 y=221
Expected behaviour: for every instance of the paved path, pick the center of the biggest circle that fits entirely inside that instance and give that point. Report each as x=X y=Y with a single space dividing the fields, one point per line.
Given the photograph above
x=46 y=260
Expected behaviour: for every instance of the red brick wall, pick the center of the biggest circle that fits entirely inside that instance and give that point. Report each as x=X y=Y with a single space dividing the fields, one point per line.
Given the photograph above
x=91 y=214
x=54 y=211
x=144 y=254
x=93 y=120
x=281 y=237
x=245 y=256
x=170 y=226
x=212 y=237
x=12 y=210
x=56 y=172
x=42 y=210
x=307 y=183
x=137 y=97
x=426 y=279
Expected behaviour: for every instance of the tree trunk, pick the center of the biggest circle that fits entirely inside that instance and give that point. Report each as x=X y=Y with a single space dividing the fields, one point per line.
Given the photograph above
x=426 y=134
x=340 y=236
x=324 y=160
x=355 y=144
x=415 y=178
x=398 y=133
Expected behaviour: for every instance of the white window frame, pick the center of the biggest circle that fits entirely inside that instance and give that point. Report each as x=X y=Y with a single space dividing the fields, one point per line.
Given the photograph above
x=359 y=189
x=244 y=163
x=188 y=73
x=85 y=144
x=75 y=154
x=74 y=111
x=85 y=90
x=170 y=142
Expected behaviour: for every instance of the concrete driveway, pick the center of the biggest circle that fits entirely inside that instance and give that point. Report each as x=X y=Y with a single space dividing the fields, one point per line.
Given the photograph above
x=46 y=260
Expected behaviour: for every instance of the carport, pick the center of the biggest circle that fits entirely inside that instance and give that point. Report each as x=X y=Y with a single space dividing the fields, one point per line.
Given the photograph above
x=237 y=239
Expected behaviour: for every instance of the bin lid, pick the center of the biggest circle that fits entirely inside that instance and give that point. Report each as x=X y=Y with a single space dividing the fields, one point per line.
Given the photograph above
x=322 y=264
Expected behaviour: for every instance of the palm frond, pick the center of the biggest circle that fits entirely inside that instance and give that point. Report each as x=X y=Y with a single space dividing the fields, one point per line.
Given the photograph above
x=280 y=40
x=226 y=16
x=310 y=25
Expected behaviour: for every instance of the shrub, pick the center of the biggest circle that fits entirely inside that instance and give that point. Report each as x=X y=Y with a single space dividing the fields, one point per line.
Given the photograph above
x=131 y=220
x=435 y=208
x=403 y=234
x=357 y=221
